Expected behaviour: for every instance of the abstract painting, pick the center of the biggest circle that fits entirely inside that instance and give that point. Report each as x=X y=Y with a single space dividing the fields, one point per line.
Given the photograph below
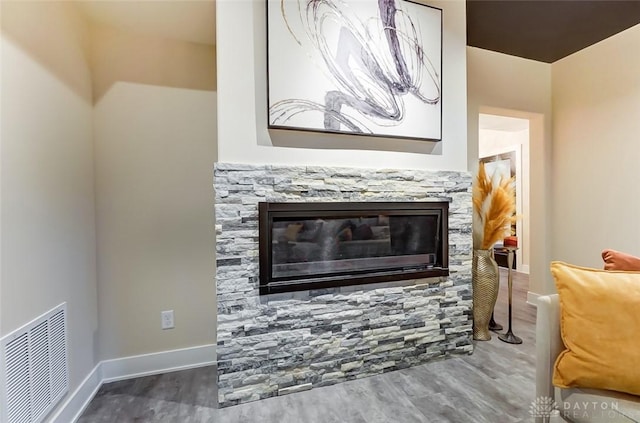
x=367 y=67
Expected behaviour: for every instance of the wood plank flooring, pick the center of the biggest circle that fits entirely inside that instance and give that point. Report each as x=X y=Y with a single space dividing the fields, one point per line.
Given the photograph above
x=495 y=385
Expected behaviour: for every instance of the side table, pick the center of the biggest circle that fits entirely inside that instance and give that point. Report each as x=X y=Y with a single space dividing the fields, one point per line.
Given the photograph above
x=509 y=336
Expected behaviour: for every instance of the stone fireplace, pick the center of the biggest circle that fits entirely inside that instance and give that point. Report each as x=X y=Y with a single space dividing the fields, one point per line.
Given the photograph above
x=279 y=343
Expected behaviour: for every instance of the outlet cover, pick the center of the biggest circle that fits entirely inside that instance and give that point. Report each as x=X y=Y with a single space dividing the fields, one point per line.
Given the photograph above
x=167 y=319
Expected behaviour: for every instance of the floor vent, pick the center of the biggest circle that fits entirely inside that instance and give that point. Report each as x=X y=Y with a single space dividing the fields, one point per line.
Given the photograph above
x=34 y=368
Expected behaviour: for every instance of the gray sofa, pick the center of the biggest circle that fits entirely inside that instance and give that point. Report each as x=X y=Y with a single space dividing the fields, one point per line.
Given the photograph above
x=575 y=404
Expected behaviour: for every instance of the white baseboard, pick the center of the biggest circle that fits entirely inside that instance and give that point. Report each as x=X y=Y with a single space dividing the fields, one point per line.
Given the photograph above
x=131 y=367
x=532 y=298
x=160 y=362
x=525 y=269
x=72 y=408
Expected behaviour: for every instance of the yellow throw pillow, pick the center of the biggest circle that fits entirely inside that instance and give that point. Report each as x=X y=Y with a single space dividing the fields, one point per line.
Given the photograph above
x=600 y=327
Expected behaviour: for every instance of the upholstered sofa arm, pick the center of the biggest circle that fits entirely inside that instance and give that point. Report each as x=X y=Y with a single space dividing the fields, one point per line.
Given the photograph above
x=548 y=343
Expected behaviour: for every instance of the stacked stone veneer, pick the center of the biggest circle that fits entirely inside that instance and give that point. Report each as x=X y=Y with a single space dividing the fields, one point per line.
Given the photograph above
x=282 y=343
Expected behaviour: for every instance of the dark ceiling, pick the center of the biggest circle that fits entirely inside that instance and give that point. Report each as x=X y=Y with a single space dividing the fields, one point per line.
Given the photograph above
x=546 y=30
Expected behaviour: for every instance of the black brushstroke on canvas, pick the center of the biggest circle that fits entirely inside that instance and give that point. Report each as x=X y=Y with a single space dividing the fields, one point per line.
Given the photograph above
x=371 y=75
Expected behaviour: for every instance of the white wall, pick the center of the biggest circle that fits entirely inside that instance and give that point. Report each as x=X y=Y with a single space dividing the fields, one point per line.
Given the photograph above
x=123 y=55
x=511 y=86
x=243 y=135
x=596 y=103
x=494 y=141
x=155 y=135
x=47 y=203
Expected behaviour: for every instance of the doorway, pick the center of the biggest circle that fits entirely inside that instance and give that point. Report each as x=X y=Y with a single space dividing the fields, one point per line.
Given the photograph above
x=503 y=145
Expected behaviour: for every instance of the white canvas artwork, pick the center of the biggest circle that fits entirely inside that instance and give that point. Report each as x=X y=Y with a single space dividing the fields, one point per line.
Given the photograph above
x=368 y=67
x=498 y=170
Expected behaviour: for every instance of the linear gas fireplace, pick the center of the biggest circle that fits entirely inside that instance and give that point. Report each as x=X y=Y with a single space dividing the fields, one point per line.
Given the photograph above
x=320 y=245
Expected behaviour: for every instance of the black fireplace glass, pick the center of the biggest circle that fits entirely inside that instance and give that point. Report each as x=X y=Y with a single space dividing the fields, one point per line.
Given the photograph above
x=312 y=245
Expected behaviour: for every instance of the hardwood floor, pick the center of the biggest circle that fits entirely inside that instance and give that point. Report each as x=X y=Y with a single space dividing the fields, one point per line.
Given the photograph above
x=495 y=384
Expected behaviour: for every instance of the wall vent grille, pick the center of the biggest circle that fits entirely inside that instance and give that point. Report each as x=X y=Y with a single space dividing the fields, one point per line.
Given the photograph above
x=34 y=366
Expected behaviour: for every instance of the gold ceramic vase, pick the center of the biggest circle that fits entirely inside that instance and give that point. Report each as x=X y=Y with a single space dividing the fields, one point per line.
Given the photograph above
x=485 y=280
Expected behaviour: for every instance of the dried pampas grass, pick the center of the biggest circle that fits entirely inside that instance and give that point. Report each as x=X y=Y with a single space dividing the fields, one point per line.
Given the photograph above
x=494 y=206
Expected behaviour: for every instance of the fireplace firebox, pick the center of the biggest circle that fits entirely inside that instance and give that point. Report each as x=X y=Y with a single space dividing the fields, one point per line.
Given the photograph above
x=320 y=245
